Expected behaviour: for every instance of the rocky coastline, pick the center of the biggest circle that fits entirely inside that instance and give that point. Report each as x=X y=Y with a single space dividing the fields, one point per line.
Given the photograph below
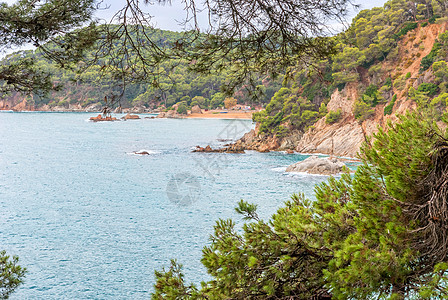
x=318 y=165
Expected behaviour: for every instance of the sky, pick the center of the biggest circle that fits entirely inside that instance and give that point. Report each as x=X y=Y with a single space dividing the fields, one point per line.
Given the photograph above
x=168 y=16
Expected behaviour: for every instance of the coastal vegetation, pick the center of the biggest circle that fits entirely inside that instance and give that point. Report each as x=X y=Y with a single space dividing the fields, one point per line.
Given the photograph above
x=11 y=274
x=380 y=233
x=126 y=56
x=367 y=52
x=176 y=84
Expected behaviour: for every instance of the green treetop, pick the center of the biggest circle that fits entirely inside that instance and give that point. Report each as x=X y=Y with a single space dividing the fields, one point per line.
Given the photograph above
x=380 y=233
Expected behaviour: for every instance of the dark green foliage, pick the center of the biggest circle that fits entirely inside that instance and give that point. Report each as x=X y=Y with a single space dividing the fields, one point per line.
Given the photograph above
x=90 y=86
x=429 y=59
x=341 y=86
x=406 y=28
x=170 y=284
x=182 y=109
x=433 y=19
x=42 y=26
x=23 y=75
x=371 y=98
x=288 y=110
x=333 y=116
x=364 y=237
x=369 y=39
x=371 y=95
x=424 y=24
x=388 y=108
x=430 y=89
x=11 y=274
x=253 y=38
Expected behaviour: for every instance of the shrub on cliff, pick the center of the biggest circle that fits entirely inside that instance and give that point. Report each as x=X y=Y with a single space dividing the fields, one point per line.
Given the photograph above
x=428 y=88
x=362 y=111
x=333 y=116
x=381 y=233
x=388 y=108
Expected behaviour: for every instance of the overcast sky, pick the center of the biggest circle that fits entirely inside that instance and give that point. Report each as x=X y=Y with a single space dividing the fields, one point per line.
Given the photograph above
x=168 y=16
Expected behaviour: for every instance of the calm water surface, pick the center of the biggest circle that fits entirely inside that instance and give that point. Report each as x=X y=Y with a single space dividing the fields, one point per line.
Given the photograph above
x=90 y=220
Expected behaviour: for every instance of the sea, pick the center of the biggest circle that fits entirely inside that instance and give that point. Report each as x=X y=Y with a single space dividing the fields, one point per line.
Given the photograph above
x=90 y=219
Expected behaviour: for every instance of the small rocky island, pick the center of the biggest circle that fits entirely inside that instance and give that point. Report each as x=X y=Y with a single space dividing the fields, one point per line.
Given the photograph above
x=318 y=165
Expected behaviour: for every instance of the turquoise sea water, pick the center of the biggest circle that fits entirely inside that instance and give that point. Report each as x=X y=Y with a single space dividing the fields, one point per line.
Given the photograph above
x=91 y=220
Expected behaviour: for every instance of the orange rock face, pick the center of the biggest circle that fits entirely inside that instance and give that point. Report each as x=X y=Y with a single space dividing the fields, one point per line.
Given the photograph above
x=100 y=118
x=131 y=117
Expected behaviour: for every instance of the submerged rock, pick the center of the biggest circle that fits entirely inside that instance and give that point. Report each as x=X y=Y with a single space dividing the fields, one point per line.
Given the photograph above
x=318 y=165
x=141 y=152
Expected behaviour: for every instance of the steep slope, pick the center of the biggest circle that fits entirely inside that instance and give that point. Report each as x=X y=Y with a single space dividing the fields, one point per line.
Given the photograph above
x=389 y=61
x=346 y=136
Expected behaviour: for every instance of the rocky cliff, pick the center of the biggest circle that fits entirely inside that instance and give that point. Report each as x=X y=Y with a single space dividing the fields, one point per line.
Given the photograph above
x=345 y=136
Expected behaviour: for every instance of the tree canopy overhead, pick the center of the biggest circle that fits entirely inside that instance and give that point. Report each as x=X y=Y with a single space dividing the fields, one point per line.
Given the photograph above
x=51 y=27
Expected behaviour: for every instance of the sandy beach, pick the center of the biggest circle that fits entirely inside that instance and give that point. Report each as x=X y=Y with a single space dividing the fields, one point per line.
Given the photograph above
x=215 y=114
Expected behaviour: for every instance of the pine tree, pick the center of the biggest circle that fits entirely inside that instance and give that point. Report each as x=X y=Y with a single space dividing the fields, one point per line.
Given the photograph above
x=379 y=233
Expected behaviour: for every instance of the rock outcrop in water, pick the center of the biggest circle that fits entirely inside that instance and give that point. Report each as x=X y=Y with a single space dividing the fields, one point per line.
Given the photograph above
x=233 y=148
x=131 y=117
x=318 y=165
x=100 y=118
x=141 y=152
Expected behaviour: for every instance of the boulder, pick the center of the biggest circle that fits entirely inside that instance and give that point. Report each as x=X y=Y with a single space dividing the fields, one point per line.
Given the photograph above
x=131 y=117
x=94 y=107
x=100 y=118
x=317 y=165
x=171 y=114
x=58 y=108
x=75 y=107
x=263 y=149
x=45 y=107
x=138 y=109
x=230 y=149
x=196 y=110
x=161 y=115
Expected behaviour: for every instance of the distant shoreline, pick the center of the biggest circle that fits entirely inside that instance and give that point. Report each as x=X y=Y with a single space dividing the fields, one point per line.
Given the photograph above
x=241 y=115
x=247 y=115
